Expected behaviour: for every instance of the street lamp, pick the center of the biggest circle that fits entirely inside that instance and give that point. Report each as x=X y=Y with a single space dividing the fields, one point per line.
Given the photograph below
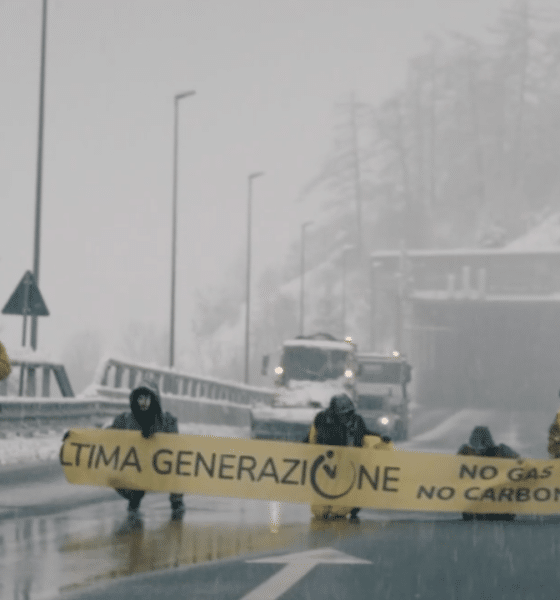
x=248 y=281
x=38 y=185
x=174 y=226
x=302 y=275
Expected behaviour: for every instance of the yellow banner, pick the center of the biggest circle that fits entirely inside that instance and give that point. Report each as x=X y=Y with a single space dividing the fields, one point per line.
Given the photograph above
x=292 y=472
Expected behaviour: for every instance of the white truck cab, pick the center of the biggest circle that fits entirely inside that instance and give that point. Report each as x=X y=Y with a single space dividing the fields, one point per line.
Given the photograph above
x=309 y=371
x=380 y=393
x=314 y=368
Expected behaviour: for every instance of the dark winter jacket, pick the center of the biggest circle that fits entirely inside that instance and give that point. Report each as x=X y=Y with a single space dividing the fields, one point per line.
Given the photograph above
x=328 y=430
x=150 y=420
x=482 y=444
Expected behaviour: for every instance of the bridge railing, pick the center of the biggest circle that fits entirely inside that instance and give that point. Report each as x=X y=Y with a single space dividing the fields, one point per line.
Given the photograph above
x=33 y=378
x=116 y=375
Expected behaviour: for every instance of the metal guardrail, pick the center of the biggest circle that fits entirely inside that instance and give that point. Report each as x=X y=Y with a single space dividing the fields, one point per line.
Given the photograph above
x=192 y=399
x=119 y=375
x=15 y=411
x=28 y=374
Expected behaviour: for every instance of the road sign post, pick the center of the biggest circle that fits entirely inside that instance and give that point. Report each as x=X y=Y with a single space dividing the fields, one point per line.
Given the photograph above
x=25 y=309
x=26 y=300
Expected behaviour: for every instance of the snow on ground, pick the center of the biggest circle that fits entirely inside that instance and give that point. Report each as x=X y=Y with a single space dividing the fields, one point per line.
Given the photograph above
x=524 y=431
x=18 y=449
x=36 y=446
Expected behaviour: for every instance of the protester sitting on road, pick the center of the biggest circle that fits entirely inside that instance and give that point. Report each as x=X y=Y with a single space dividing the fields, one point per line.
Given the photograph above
x=339 y=425
x=147 y=417
x=5 y=365
x=482 y=444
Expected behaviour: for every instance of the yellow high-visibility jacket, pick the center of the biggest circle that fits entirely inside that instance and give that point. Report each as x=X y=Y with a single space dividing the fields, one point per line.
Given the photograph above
x=554 y=438
x=5 y=366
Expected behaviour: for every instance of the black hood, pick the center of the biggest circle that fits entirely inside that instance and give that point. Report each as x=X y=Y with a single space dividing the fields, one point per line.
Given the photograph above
x=146 y=418
x=340 y=404
x=481 y=438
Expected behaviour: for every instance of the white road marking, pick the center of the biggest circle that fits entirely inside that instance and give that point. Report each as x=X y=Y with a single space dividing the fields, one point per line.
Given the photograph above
x=298 y=564
x=274 y=512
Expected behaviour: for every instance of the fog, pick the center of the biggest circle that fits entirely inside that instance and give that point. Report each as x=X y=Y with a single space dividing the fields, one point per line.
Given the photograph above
x=268 y=79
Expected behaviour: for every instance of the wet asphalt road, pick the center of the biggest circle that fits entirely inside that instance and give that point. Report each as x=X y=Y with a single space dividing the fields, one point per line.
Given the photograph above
x=62 y=541
x=77 y=549
x=435 y=560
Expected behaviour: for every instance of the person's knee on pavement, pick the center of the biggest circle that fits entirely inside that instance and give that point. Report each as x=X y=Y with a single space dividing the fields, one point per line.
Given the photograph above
x=176 y=500
x=134 y=497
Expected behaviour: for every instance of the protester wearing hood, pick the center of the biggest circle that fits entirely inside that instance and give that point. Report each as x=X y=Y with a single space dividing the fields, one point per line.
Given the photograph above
x=554 y=437
x=147 y=416
x=5 y=365
x=339 y=425
x=482 y=444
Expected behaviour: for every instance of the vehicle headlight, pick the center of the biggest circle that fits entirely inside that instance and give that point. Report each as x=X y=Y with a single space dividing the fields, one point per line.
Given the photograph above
x=348 y=373
x=279 y=370
x=383 y=420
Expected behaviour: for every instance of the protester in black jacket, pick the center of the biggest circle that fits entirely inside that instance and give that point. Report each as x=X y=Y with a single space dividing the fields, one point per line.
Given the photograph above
x=146 y=416
x=482 y=444
x=340 y=425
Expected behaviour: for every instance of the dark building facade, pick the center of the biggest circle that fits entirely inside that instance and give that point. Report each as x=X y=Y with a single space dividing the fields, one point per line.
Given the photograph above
x=481 y=327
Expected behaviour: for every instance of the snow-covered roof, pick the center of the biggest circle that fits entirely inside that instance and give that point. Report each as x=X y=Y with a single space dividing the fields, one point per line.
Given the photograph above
x=327 y=344
x=445 y=296
x=542 y=237
x=377 y=357
x=513 y=249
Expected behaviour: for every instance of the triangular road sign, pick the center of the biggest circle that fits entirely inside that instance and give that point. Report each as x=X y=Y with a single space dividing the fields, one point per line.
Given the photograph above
x=26 y=299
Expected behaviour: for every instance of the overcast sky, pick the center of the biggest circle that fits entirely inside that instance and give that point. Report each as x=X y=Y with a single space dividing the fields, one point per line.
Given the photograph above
x=267 y=74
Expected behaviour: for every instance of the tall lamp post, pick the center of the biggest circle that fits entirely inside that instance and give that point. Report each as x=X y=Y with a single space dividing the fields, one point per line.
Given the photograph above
x=38 y=186
x=248 y=280
x=302 y=275
x=174 y=226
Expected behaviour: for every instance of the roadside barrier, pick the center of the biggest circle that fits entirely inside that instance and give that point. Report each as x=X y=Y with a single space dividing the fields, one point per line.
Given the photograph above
x=373 y=477
x=192 y=410
x=16 y=411
x=33 y=378
x=191 y=399
x=114 y=374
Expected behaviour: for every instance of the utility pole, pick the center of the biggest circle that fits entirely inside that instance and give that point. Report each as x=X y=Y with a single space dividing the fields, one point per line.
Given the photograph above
x=174 y=225
x=37 y=236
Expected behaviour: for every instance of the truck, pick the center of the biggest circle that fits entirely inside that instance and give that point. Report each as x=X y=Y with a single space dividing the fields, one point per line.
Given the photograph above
x=381 y=395
x=309 y=371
